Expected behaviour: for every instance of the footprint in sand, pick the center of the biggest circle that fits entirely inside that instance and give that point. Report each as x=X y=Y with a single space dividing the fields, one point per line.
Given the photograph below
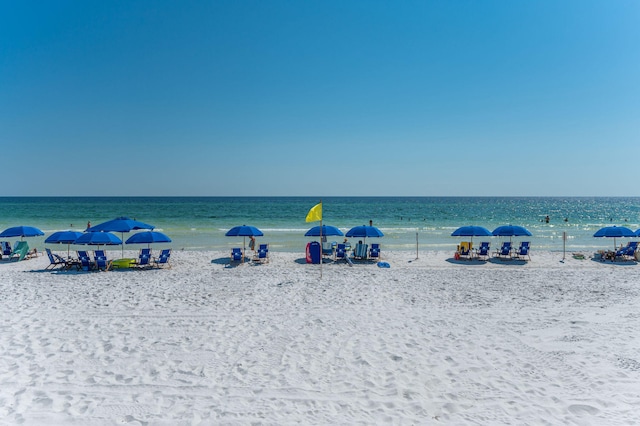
x=581 y=410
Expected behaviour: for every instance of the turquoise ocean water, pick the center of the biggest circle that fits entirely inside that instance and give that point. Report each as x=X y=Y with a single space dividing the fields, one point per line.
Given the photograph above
x=196 y=223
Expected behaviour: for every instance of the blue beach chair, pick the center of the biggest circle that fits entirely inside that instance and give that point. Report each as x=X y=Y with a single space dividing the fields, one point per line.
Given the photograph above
x=504 y=250
x=523 y=250
x=374 y=252
x=483 y=250
x=162 y=260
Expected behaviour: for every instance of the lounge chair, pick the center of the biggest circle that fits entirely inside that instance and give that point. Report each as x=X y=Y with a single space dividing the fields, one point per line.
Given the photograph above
x=5 y=247
x=20 y=251
x=341 y=251
x=144 y=258
x=504 y=250
x=464 y=249
x=162 y=260
x=262 y=255
x=523 y=250
x=236 y=254
x=263 y=252
x=360 y=251
x=374 y=251
x=627 y=252
x=483 y=250
x=86 y=264
x=328 y=248
x=56 y=261
x=102 y=263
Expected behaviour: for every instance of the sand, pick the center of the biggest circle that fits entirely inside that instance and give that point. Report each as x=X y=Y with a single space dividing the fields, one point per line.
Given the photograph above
x=426 y=341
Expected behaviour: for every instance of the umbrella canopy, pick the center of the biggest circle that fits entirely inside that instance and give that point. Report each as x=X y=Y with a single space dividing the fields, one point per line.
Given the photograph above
x=364 y=231
x=327 y=230
x=120 y=224
x=148 y=238
x=510 y=231
x=614 y=232
x=63 y=237
x=471 y=231
x=244 y=231
x=98 y=239
x=21 y=231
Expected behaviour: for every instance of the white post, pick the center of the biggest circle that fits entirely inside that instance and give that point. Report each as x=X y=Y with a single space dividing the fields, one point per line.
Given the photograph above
x=416 y=246
x=564 y=244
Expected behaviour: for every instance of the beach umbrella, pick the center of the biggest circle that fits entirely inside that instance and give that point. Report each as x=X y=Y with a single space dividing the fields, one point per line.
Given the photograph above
x=614 y=232
x=364 y=231
x=98 y=239
x=148 y=238
x=510 y=231
x=244 y=231
x=63 y=237
x=21 y=231
x=471 y=231
x=327 y=230
x=120 y=224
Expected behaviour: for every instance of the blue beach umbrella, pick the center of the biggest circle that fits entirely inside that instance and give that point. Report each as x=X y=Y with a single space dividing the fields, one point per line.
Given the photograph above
x=471 y=231
x=98 y=239
x=21 y=231
x=63 y=237
x=244 y=231
x=510 y=231
x=148 y=238
x=327 y=230
x=614 y=232
x=364 y=231
x=120 y=224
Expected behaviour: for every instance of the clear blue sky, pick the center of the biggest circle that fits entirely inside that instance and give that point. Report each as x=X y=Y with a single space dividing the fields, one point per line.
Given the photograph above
x=320 y=97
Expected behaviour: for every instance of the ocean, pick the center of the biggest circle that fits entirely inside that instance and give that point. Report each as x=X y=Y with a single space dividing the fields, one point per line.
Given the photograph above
x=197 y=223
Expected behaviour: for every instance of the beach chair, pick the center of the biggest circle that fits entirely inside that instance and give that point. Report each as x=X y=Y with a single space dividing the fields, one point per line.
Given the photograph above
x=360 y=251
x=374 y=251
x=5 y=247
x=86 y=264
x=162 y=260
x=464 y=249
x=627 y=252
x=523 y=250
x=263 y=252
x=483 y=250
x=236 y=254
x=504 y=250
x=20 y=251
x=341 y=251
x=103 y=264
x=55 y=261
x=262 y=255
x=328 y=248
x=143 y=260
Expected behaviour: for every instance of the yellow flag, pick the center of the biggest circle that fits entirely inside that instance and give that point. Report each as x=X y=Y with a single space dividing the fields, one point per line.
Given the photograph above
x=315 y=213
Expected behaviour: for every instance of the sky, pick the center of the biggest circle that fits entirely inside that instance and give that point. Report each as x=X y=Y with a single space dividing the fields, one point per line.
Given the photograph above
x=320 y=98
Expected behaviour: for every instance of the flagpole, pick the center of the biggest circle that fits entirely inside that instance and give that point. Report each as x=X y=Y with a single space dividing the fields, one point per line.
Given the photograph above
x=321 y=247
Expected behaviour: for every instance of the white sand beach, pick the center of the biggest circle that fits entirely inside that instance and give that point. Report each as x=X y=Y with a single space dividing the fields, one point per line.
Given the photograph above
x=426 y=341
